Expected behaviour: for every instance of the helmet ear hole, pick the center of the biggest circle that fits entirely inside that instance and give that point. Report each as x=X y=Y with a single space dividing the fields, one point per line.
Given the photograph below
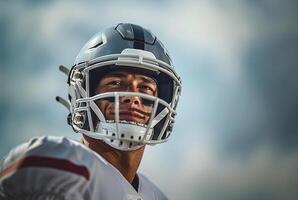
x=96 y=45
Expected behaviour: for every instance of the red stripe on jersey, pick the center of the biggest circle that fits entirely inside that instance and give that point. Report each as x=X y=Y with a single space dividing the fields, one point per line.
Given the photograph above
x=54 y=163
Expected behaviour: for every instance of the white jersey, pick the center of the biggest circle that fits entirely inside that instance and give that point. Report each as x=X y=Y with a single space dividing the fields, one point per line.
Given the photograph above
x=56 y=168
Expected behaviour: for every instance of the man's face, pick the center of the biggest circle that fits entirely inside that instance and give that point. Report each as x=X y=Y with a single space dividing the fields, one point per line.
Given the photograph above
x=131 y=108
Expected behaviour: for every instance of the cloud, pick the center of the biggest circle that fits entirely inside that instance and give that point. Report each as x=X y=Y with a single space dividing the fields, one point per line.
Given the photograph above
x=225 y=143
x=200 y=173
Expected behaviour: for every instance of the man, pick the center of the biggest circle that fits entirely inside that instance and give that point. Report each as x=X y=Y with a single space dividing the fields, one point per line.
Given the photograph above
x=123 y=93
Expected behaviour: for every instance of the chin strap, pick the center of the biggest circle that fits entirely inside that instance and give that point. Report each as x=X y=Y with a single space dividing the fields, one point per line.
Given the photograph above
x=130 y=137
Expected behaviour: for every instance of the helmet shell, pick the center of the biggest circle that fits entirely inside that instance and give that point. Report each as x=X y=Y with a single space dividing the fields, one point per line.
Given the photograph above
x=113 y=43
x=115 y=39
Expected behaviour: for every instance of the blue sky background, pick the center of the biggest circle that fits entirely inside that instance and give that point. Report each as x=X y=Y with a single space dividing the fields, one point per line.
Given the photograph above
x=236 y=131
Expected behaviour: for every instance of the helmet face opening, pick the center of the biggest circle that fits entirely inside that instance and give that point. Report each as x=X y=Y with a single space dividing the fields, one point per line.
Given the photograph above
x=165 y=84
x=126 y=113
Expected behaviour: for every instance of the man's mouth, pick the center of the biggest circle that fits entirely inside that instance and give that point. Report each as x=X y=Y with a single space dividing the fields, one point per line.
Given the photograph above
x=132 y=115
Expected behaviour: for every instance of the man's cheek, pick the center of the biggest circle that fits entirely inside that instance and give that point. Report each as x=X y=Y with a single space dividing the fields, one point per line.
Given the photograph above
x=148 y=109
x=107 y=109
x=102 y=105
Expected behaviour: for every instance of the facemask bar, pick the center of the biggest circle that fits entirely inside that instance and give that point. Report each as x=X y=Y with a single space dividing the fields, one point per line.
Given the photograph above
x=125 y=60
x=169 y=117
x=151 y=120
x=167 y=110
x=129 y=61
x=91 y=104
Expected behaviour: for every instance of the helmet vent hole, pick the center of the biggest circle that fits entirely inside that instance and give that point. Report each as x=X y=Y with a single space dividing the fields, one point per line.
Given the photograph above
x=131 y=137
x=113 y=134
x=96 y=45
x=140 y=137
x=122 y=135
x=120 y=143
x=130 y=144
x=112 y=140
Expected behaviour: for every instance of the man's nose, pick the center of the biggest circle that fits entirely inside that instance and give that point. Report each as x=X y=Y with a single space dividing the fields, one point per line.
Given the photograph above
x=130 y=100
x=132 y=87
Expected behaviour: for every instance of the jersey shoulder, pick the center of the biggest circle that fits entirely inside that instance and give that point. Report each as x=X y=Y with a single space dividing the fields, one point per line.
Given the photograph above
x=49 y=166
x=52 y=147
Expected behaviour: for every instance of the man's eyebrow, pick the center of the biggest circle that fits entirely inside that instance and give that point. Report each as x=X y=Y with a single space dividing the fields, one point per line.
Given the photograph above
x=118 y=74
x=148 y=79
x=123 y=74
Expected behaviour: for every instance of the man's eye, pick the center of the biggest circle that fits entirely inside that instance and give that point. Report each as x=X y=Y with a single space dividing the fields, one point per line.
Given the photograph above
x=114 y=83
x=147 y=88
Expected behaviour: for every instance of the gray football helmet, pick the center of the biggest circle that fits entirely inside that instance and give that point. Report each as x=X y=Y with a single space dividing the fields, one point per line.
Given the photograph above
x=123 y=47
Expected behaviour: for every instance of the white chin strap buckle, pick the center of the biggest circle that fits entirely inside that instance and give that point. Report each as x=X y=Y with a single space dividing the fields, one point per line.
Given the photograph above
x=130 y=135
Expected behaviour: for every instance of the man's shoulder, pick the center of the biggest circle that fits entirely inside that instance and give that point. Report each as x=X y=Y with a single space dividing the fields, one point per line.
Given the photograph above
x=50 y=166
x=52 y=149
x=48 y=146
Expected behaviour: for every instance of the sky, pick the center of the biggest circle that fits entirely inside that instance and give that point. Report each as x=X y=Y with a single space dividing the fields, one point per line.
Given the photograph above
x=236 y=132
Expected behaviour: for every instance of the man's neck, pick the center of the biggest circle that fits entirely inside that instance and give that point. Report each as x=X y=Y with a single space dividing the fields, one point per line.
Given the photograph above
x=126 y=162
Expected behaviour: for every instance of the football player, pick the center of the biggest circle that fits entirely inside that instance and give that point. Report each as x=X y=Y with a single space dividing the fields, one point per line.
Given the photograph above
x=123 y=92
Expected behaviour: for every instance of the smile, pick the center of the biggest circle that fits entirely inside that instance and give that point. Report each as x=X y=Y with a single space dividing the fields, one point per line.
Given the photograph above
x=130 y=115
x=133 y=114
